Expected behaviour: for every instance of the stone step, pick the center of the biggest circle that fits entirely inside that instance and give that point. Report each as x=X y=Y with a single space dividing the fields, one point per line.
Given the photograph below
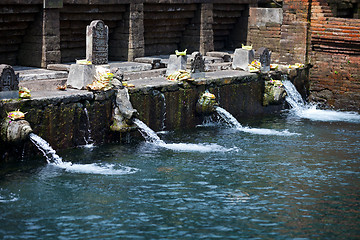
x=43 y=85
x=32 y=74
x=144 y=74
x=218 y=66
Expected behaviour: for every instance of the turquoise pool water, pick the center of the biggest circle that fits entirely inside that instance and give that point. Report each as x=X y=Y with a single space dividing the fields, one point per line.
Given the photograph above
x=213 y=182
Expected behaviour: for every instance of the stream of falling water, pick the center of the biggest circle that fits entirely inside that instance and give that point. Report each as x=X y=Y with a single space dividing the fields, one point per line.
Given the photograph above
x=55 y=160
x=232 y=122
x=163 y=125
x=308 y=111
x=88 y=139
x=151 y=137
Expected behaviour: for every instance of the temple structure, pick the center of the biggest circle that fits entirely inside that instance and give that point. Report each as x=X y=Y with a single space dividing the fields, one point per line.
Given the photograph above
x=322 y=34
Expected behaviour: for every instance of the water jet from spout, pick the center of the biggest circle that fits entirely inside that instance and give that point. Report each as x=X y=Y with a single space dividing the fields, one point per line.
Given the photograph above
x=231 y=121
x=151 y=137
x=302 y=109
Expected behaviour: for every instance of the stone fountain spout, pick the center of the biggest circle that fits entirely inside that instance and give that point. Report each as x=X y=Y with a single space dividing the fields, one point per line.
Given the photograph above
x=206 y=105
x=124 y=113
x=15 y=131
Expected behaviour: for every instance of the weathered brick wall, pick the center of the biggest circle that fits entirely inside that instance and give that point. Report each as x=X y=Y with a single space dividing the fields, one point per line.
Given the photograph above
x=294 y=31
x=335 y=56
x=41 y=32
x=264 y=30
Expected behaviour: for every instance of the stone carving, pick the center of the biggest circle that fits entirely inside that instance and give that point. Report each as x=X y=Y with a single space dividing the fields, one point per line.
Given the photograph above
x=197 y=63
x=97 y=48
x=124 y=113
x=8 y=80
x=265 y=59
x=274 y=93
x=206 y=104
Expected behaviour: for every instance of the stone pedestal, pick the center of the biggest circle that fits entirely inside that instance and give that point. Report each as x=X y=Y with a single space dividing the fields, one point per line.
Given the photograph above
x=242 y=59
x=80 y=76
x=176 y=63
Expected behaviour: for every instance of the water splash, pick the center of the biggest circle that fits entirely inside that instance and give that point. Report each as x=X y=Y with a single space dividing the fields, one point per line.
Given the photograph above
x=101 y=169
x=46 y=149
x=148 y=133
x=308 y=111
x=88 y=139
x=232 y=122
x=151 y=137
x=6 y=196
x=293 y=96
x=54 y=159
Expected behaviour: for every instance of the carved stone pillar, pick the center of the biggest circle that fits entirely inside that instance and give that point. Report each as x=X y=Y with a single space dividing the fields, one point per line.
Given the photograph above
x=206 y=28
x=136 y=31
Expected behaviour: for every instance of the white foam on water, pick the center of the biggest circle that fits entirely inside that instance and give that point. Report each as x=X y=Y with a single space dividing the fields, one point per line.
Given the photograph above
x=53 y=159
x=231 y=120
x=103 y=169
x=88 y=146
x=265 y=131
x=8 y=197
x=191 y=147
x=151 y=137
x=307 y=111
x=327 y=115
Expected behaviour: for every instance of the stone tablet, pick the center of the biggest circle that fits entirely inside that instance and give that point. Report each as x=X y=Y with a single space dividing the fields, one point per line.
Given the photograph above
x=9 y=82
x=97 y=35
x=197 y=65
x=242 y=59
x=265 y=59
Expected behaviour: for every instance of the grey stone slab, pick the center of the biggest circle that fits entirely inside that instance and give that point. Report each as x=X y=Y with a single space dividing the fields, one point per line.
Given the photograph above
x=218 y=66
x=80 y=76
x=176 y=63
x=31 y=74
x=146 y=85
x=144 y=74
x=43 y=85
x=59 y=67
x=131 y=66
x=242 y=58
x=9 y=95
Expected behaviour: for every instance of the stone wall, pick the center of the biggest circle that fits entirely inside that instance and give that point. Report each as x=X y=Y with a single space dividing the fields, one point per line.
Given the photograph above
x=294 y=32
x=265 y=30
x=335 y=56
x=39 y=33
x=60 y=117
x=15 y=20
x=73 y=22
x=310 y=34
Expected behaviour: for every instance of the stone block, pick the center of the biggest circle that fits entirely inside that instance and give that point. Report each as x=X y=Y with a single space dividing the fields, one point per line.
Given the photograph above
x=9 y=95
x=176 y=63
x=80 y=76
x=242 y=59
